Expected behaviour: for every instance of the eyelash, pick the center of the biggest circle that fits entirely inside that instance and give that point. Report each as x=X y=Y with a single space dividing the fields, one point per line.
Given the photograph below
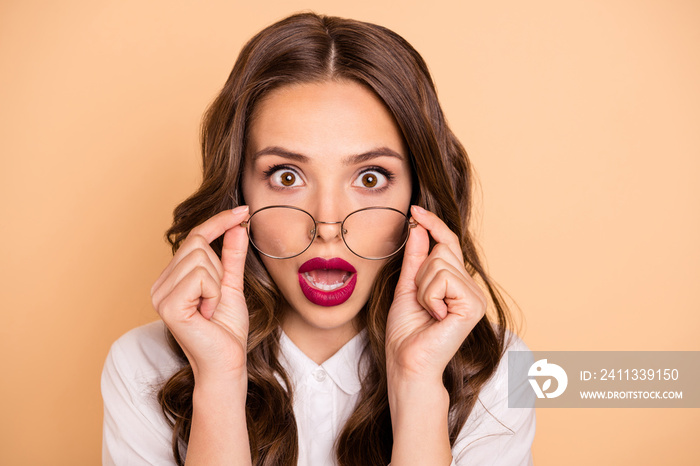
x=268 y=173
x=383 y=171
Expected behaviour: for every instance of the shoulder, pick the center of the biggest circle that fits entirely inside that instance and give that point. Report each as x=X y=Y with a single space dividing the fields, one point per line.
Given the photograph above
x=148 y=341
x=494 y=432
x=142 y=355
x=138 y=363
x=497 y=386
x=135 y=430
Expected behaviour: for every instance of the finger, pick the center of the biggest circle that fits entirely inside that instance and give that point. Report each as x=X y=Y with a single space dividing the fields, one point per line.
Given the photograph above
x=446 y=293
x=439 y=256
x=437 y=228
x=449 y=333
x=432 y=291
x=179 y=310
x=196 y=258
x=233 y=256
x=220 y=223
x=415 y=253
x=435 y=266
x=202 y=235
x=198 y=288
x=190 y=245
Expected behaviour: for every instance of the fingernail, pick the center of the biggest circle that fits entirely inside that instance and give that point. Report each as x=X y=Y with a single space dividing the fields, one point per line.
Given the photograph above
x=240 y=209
x=418 y=209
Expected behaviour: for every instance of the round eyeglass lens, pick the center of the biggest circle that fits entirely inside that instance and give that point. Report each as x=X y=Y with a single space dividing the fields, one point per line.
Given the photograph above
x=375 y=232
x=281 y=232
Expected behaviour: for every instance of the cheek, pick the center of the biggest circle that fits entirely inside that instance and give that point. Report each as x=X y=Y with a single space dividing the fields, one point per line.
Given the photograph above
x=368 y=273
x=279 y=270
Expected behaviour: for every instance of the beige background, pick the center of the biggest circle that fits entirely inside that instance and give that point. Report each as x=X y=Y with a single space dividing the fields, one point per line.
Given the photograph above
x=581 y=118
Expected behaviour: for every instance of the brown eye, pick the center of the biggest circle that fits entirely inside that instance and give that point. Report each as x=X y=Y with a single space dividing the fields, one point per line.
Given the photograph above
x=369 y=180
x=288 y=178
x=373 y=179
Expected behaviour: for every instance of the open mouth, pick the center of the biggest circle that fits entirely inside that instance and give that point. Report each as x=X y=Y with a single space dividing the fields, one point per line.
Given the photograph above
x=327 y=282
x=327 y=279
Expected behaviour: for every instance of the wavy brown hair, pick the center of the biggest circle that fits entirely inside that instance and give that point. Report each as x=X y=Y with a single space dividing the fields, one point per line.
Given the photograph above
x=311 y=48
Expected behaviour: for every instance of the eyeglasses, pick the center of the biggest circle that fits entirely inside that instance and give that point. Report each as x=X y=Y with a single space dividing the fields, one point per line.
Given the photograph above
x=283 y=232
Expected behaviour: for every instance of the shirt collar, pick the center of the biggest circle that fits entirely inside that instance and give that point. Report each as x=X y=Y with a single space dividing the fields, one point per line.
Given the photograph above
x=342 y=367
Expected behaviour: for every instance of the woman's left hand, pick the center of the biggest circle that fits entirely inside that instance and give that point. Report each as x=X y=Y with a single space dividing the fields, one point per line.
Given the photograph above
x=436 y=303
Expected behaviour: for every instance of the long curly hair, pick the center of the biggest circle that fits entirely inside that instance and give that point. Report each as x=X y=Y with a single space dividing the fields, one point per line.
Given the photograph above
x=312 y=48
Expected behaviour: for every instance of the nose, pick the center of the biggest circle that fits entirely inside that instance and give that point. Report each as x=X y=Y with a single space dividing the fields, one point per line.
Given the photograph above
x=327 y=210
x=328 y=231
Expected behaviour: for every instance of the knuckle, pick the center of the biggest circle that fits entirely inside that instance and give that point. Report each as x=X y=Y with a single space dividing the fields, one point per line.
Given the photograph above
x=200 y=256
x=443 y=273
x=164 y=309
x=433 y=262
x=156 y=297
x=155 y=302
x=446 y=253
x=441 y=249
x=195 y=231
x=440 y=264
x=200 y=241
x=430 y=270
x=195 y=239
x=200 y=272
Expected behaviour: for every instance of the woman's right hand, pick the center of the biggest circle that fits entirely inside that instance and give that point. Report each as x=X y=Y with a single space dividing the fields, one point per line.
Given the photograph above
x=200 y=298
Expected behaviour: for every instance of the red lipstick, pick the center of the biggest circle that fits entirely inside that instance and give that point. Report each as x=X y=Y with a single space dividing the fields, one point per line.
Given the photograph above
x=327 y=282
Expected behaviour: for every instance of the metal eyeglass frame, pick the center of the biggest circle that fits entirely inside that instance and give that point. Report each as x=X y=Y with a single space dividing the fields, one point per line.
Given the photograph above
x=411 y=224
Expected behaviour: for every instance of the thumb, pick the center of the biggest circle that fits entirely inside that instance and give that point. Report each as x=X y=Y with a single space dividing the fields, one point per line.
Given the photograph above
x=415 y=253
x=233 y=256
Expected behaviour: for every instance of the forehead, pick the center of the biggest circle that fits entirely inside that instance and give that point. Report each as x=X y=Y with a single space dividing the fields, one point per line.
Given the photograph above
x=324 y=119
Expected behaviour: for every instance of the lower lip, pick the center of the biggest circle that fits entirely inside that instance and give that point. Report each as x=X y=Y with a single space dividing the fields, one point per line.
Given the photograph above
x=328 y=298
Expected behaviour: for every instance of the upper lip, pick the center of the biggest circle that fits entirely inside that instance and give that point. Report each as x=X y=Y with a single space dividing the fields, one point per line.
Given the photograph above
x=335 y=263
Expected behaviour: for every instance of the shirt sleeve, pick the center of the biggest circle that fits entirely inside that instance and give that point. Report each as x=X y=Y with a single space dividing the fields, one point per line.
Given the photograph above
x=496 y=434
x=135 y=431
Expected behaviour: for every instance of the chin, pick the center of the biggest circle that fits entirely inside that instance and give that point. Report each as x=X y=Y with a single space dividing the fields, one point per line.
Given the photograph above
x=325 y=317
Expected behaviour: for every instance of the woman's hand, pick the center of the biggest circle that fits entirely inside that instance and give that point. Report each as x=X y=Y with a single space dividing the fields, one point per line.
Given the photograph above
x=200 y=298
x=436 y=303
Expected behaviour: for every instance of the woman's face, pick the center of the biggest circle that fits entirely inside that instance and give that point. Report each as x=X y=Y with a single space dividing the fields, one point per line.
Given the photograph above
x=329 y=148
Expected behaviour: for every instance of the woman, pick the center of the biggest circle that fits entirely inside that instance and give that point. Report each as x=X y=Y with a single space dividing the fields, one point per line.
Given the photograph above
x=310 y=320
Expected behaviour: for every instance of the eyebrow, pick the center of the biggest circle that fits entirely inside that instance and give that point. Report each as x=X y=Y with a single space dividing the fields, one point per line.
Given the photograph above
x=348 y=160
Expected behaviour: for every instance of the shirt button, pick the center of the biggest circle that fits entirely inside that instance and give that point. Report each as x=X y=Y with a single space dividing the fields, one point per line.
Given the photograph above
x=319 y=375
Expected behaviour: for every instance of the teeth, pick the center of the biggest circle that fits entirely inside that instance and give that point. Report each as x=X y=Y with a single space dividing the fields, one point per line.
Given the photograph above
x=325 y=286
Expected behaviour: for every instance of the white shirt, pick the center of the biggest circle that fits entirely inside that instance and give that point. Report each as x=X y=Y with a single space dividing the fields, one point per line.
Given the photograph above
x=135 y=431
